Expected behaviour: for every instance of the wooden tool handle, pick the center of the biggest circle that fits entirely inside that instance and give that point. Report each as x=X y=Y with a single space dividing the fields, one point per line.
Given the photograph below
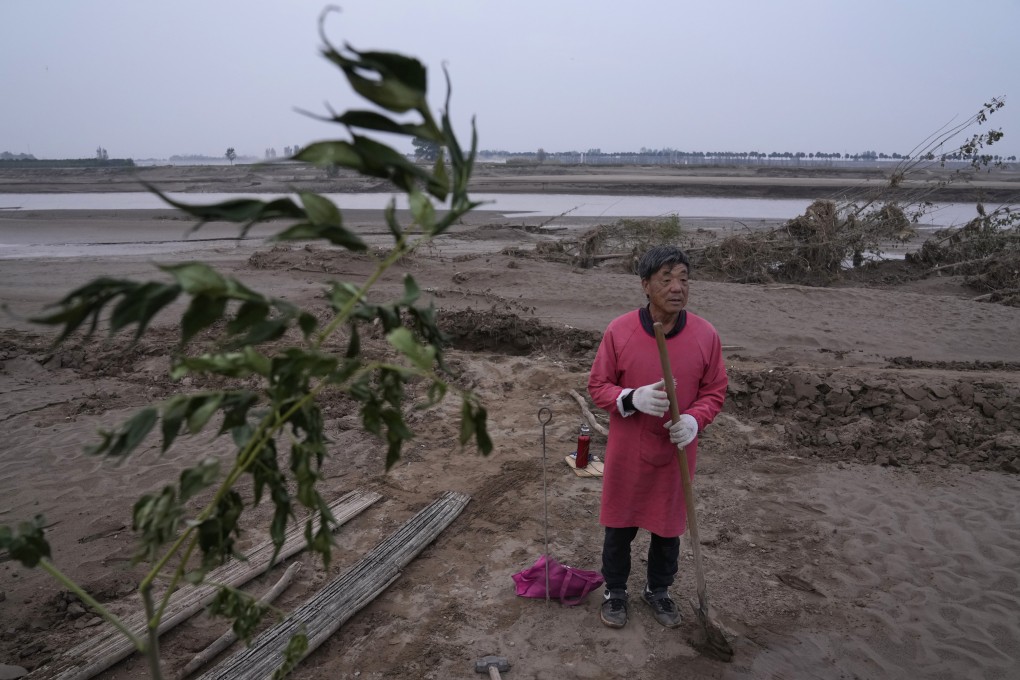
x=685 y=473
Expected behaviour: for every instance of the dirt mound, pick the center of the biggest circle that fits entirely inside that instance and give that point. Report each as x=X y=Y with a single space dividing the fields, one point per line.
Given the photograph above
x=911 y=362
x=314 y=258
x=507 y=333
x=887 y=417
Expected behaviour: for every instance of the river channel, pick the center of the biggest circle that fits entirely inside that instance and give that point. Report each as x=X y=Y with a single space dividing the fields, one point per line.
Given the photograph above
x=536 y=205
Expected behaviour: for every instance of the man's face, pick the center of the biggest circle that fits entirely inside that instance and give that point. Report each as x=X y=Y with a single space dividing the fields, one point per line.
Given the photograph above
x=667 y=289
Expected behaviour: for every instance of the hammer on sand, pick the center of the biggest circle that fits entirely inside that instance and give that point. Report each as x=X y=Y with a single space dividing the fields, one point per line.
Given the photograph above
x=492 y=665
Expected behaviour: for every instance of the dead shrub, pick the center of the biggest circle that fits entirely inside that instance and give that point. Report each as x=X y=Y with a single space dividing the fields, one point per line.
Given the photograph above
x=813 y=248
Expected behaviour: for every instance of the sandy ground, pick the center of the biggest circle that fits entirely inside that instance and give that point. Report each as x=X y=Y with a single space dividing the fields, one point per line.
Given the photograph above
x=768 y=181
x=857 y=498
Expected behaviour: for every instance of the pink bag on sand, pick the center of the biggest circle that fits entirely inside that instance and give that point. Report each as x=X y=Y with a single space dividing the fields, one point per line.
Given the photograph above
x=568 y=585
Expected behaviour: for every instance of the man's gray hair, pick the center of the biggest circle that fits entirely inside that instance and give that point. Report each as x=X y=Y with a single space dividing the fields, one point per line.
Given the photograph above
x=653 y=260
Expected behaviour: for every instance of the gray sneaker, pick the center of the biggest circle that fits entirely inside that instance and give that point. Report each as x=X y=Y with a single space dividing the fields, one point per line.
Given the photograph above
x=614 y=609
x=663 y=607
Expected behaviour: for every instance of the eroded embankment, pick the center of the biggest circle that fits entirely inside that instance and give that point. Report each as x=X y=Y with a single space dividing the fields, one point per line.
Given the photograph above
x=891 y=417
x=960 y=414
x=903 y=416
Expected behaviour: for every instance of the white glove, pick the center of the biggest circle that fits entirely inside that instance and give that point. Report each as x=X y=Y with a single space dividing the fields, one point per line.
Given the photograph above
x=652 y=399
x=683 y=431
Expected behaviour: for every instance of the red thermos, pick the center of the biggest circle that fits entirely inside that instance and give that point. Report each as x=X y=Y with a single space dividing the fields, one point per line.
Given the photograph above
x=583 y=442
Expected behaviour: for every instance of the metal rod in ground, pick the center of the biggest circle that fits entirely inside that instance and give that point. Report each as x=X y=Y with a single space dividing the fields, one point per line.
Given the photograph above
x=545 y=417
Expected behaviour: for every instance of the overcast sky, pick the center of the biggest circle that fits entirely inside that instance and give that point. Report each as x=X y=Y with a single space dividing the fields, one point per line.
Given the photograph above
x=149 y=79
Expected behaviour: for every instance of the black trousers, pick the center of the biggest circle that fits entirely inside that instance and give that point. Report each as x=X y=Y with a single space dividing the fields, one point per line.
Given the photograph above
x=663 y=559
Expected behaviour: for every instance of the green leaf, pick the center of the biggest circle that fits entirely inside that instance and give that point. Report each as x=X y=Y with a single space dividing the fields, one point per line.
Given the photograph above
x=282 y=514
x=244 y=611
x=236 y=210
x=194 y=408
x=333 y=233
x=240 y=364
x=411 y=291
x=202 y=409
x=371 y=120
x=27 y=544
x=322 y=542
x=263 y=331
x=249 y=314
x=331 y=153
x=372 y=159
x=387 y=163
x=421 y=356
x=467 y=422
x=307 y=323
x=195 y=576
x=393 y=82
x=481 y=433
x=405 y=70
x=341 y=294
x=292 y=369
x=403 y=340
x=297 y=648
x=84 y=302
x=423 y=211
x=436 y=393
x=156 y=517
x=197 y=278
x=439 y=172
x=354 y=345
x=390 y=213
x=235 y=409
x=304 y=465
x=174 y=412
x=122 y=441
x=371 y=410
x=216 y=534
x=140 y=304
x=396 y=434
x=265 y=470
x=203 y=475
x=203 y=312
x=320 y=209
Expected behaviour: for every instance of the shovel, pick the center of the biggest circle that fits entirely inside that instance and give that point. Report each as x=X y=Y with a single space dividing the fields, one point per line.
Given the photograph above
x=713 y=643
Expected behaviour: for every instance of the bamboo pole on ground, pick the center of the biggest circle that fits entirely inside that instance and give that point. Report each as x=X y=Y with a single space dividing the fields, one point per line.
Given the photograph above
x=98 y=652
x=341 y=598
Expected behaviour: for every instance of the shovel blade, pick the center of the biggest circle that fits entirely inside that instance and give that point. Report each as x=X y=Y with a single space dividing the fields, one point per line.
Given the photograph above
x=709 y=638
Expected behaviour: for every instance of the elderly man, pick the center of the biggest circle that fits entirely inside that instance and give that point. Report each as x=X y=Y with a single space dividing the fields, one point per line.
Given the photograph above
x=642 y=486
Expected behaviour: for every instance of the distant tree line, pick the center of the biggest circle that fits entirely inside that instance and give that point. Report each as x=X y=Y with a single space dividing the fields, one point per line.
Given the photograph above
x=31 y=162
x=182 y=158
x=288 y=151
x=675 y=156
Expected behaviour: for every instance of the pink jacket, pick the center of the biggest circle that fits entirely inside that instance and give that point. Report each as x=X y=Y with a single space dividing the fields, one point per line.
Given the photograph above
x=642 y=485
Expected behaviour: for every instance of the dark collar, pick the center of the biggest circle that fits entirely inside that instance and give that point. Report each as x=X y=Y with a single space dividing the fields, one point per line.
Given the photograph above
x=647 y=322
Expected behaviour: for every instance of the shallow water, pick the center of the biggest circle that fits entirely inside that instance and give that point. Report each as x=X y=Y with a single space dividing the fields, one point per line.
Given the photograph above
x=538 y=205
